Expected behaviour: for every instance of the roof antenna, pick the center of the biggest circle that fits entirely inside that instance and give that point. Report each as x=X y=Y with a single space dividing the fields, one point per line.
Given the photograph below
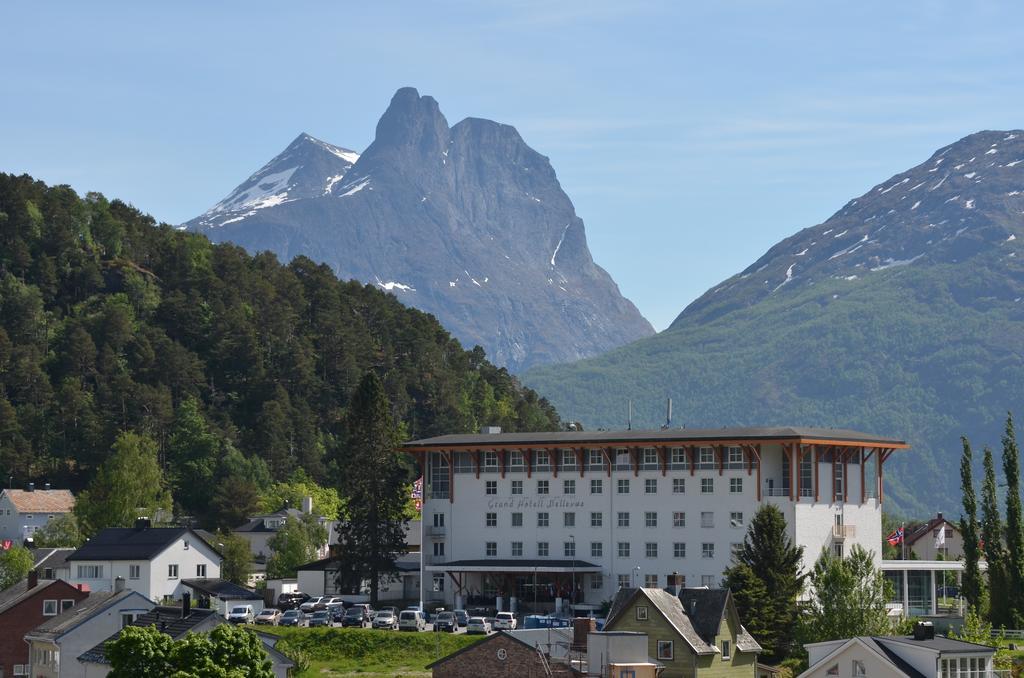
x=668 y=415
x=629 y=420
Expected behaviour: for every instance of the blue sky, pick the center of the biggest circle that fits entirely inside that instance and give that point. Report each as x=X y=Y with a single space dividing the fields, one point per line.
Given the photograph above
x=690 y=136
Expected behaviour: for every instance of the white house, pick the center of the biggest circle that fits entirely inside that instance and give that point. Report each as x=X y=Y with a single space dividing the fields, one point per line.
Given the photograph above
x=259 y=530
x=22 y=512
x=55 y=645
x=532 y=516
x=151 y=560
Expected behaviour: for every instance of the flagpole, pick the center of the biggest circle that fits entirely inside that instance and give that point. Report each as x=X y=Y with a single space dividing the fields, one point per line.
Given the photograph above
x=903 y=539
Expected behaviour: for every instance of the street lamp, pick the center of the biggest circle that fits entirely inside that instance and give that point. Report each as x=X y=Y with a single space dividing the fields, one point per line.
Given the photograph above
x=572 y=589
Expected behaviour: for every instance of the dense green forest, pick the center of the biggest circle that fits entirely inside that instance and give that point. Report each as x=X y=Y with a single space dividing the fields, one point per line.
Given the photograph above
x=237 y=366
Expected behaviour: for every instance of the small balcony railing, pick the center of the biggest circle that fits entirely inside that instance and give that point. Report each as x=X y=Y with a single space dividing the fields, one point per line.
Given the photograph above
x=436 y=531
x=841 y=532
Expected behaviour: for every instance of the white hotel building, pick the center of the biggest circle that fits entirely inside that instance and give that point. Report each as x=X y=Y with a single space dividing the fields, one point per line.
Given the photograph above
x=513 y=519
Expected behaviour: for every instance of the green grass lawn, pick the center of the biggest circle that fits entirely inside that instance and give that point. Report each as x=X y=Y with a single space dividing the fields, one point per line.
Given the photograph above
x=368 y=653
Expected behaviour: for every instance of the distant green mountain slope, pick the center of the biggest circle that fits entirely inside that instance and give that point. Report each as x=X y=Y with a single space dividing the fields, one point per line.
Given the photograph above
x=901 y=315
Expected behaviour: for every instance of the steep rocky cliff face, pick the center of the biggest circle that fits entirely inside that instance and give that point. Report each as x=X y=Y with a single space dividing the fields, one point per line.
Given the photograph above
x=466 y=222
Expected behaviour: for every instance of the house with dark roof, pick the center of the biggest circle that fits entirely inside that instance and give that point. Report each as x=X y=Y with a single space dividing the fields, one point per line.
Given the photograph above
x=222 y=595
x=22 y=512
x=151 y=560
x=921 y=655
x=938 y=537
x=259 y=529
x=52 y=563
x=697 y=632
x=23 y=607
x=55 y=644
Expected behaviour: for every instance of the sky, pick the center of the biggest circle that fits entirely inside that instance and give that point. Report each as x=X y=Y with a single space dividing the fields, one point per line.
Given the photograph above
x=691 y=136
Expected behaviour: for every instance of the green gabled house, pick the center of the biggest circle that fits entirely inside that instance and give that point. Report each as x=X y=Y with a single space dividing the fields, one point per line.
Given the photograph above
x=695 y=633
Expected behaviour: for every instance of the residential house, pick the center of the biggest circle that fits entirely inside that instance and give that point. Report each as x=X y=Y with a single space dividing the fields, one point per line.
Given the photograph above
x=619 y=654
x=55 y=645
x=152 y=560
x=23 y=607
x=697 y=632
x=500 y=654
x=938 y=539
x=922 y=655
x=281 y=663
x=22 y=512
x=320 y=578
x=258 y=530
x=222 y=595
x=52 y=563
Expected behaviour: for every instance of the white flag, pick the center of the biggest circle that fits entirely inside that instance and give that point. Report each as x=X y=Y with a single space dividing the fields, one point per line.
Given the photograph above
x=940 y=537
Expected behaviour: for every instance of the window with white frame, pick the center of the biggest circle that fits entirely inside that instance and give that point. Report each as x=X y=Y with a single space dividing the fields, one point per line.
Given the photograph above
x=172 y=571
x=543 y=519
x=651 y=486
x=568 y=487
x=490 y=519
x=569 y=549
x=678 y=485
x=623 y=549
x=201 y=570
x=543 y=487
x=568 y=460
x=491 y=549
x=595 y=460
x=622 y=460
x=517 y=519
x=50 y=608
x=623 y=486
x=735 y=457
x=623 y=519
x=438 y=548
x=859 y=670
x=679 y=550
x=438 y=520
x=490 y=462
x=735 y=485
x=90 y=572
x=678 y=519
x=595 y=582
x=641 y=612
x=517 y=549
x=726 y=651
x=517 y=487
x=707 y=580
x=596 y=519
x=134 y=571
x=542 y=549
x=650 y=519
x=623 y=581
x=651 y=549
x=736 y=519
x=707 y=485
x=707 y=519
x=707 y=550
x=438 y=580
x=491 y=487
x=596 y=486
x=542 y=460
x=596 y=549
x=665 y=650
x=651 y=581
x=650 y=459
x=678 y=460
x=569 y=519
x=707 y=457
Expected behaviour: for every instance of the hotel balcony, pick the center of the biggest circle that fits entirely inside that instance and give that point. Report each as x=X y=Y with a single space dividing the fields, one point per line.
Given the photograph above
x=841 y=532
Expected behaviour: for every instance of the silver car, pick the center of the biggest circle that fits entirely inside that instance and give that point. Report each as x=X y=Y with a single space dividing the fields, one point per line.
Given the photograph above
x=478 y=625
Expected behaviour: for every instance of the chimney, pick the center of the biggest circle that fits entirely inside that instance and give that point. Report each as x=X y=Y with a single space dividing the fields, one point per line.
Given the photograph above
x=307 y=505
x=33 y=579
x=142 y=523
x=31 y=487
x=924 y=631
x=186 y=605
x=940 y=515
x=118 y=584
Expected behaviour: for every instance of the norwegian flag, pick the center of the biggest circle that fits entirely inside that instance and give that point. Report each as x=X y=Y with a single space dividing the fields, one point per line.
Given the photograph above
x=896 y=537
x=7 y=544
x=417 y=489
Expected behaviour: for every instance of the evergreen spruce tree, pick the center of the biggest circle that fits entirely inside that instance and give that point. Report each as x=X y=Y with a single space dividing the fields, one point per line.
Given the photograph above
x=970 y=582
x=765 y=579
x=1014 y=527
x=374 y=486
x=992 y=545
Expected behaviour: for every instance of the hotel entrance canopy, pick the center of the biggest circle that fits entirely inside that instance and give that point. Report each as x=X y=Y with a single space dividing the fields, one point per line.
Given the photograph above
x=515 y=566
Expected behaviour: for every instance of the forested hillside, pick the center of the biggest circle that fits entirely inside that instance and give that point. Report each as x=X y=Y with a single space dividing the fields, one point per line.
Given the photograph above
x=110 y=322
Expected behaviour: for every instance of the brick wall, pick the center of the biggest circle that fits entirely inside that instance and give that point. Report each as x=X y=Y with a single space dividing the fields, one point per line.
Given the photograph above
x=18 y=620
x=482 y=661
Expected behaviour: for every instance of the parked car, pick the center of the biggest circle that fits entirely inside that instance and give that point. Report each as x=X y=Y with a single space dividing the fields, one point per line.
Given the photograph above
x=334 y=603
x=462 y=616
x=948 y=592
x=357 y=615
x=314 y=604
x=505 y=621
x=478 y=625
x=411 y=620
x=288 y=601
x=294 y=617
x=385 y=619
x=269 y=615
x=241 y=614
x=321 y=618
x=446 y=621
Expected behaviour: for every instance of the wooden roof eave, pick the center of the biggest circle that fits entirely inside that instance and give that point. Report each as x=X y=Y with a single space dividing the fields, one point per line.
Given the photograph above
x=681 y=442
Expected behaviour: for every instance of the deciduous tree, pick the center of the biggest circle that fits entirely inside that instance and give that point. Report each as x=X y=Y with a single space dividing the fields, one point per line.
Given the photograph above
x=295 y=544
x=15 y=564
x=848 y=598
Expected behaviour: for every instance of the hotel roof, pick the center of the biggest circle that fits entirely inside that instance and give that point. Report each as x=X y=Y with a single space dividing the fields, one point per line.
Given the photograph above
x=710 y=435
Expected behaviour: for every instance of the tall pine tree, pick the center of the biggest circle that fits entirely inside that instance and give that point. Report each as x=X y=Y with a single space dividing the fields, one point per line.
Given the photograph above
x=374 y=485
x=1014 y=526
x=768 y=605
x=992 y=543
x=971 y=582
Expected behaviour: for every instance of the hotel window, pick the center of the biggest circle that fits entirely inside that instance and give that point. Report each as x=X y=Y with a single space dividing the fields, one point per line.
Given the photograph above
x=650 y=459
x=623 y=580
x=490 y=462
x=542 y=519
x=491 y=549
x=736 y=519
x=725 y=651
x=596 y=519
x=596 y=549
x=651 y=486
x=678 y=519
x=463 y=462
x=491 y=487
x=839 y=480
x=542 y=487
x=623 y=519
x=438 y=520
x=707 y=485
x=515 y=461
x=595 y=460
x=623 y=549
x=517 y=549
x=134 y=571
x=707 y=519
x=806 y=473
x=201 y=570
x=438 y=582
x=679 y=550
x=517 y=487
x=735 y=485
x=678 y=485
x=665 y=649
x=569 y=519
x=568 y=460
x=596 y=486
x=651 y=581
x=595 y=582
x=542 y=549
x=542 y=461
x=172 y=571
x=678 y=459
x=735 y=550
x=439 y=548
x=650 y=519
x=735 y=457
x=623 y=486
x=568 y=487
x=651 y=549
x=622 y=461
x=438 y=485
x=707 y=550
x=707 y=580
x=569 y=549
x=491 y=519
x=49 y=608
x=517 y=519
x=707 y=457
x=837 y=549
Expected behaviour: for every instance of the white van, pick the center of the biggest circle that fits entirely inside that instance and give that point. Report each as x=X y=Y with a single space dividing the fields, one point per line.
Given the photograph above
x=411 y=620
x=241 y=614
